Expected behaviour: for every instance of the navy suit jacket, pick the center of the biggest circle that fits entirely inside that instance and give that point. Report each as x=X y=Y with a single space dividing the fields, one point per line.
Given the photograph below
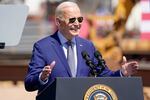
x=49 y=49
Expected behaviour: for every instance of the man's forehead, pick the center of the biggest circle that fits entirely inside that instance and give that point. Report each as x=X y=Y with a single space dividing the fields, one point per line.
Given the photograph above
x=71 y=12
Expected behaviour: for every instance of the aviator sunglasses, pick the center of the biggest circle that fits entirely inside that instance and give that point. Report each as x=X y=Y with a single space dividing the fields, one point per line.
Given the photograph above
x=72 y=20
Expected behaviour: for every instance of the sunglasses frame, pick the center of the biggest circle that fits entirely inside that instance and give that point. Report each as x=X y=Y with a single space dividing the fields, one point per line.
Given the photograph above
x=72 y=20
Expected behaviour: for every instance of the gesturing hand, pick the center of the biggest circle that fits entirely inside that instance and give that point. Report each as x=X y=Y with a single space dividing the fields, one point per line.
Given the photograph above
x=47 y=71
x=129 y=68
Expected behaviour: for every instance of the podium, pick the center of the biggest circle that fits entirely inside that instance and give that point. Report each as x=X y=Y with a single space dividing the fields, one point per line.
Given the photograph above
x=112 y=88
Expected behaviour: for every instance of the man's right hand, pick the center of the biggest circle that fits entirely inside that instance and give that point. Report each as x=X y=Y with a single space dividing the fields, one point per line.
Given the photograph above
x=47 y=71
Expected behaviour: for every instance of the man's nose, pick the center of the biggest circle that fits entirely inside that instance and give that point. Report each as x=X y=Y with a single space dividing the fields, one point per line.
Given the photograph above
x=76 y=22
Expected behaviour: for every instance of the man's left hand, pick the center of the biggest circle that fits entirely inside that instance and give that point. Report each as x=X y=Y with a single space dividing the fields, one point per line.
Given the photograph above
x=129 y=68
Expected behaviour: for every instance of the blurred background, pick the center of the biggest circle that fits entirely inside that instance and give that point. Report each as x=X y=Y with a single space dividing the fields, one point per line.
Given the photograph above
x=116 y=27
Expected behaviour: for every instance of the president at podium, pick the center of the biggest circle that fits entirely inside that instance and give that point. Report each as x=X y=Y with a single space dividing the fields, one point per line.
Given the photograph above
x=65 y=54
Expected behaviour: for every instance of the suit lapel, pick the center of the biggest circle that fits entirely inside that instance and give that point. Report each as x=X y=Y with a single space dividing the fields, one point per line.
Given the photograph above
x=79 y=56
x=59 y=51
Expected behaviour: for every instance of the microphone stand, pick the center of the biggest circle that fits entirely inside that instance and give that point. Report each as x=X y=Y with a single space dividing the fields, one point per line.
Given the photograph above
x=101 y=62
x=93 y=71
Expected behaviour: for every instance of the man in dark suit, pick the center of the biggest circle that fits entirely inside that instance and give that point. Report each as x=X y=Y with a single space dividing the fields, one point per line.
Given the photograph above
x=50 y=58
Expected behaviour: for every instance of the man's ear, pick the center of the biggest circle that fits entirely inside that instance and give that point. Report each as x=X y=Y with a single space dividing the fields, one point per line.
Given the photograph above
x=57 y=21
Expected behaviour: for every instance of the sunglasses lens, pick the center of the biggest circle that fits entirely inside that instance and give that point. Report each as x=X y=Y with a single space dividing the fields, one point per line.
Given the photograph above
x=80 y=19
x=72 y=20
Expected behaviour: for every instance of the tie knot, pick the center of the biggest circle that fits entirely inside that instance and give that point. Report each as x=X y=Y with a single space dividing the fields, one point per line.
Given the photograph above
x=69 y=43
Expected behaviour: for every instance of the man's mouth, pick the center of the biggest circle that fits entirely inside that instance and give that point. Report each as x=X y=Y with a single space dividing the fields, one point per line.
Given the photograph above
x=75 y=29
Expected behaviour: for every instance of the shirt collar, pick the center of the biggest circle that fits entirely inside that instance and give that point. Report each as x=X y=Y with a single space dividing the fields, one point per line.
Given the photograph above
x=63 y=40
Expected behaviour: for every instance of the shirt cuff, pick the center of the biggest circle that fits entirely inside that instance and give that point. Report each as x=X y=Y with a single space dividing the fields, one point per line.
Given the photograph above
x=121 y=74
x=42 y=82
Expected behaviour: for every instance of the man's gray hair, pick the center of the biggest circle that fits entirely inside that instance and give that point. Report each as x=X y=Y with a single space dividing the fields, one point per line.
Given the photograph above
x=60 y=8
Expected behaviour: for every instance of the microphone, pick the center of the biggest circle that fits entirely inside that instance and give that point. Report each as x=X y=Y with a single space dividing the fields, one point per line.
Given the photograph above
x=101 y=61
x=87 y=59
x=89 y=62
